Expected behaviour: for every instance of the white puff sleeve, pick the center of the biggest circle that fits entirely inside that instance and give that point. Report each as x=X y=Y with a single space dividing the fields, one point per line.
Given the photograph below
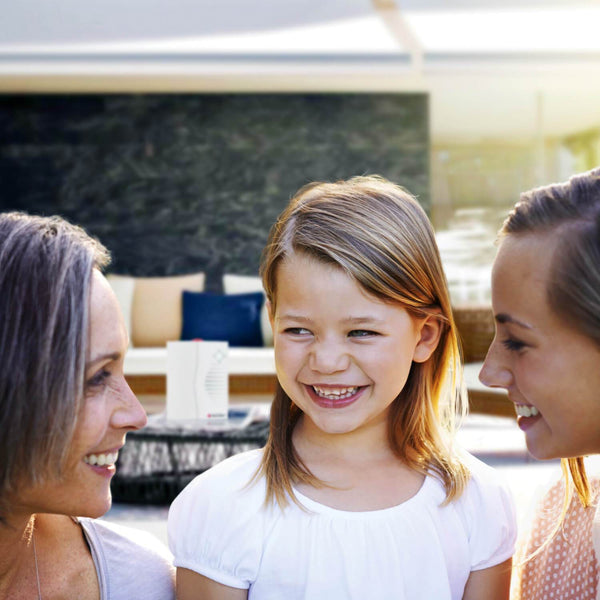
x=215 y=525
x=489 y=515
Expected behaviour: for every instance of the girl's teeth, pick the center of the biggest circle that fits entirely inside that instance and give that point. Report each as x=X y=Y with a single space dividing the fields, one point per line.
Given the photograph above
x=526 y=411
x=335 y=394
x=101 y=460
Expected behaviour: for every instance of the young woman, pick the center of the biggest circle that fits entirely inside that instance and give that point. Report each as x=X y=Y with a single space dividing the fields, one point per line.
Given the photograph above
x=65 y=409
x=546 y=353
x=359 y=492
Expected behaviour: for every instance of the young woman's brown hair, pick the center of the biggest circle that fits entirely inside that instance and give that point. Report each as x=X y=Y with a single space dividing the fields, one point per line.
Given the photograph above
x=571 y=212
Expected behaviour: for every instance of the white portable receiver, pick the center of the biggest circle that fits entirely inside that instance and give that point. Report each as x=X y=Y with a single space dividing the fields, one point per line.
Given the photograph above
x=197 y=380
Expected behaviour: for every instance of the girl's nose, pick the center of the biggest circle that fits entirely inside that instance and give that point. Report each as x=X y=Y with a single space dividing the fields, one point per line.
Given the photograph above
x=128 y=412
x=495 y=373
x=328 y=357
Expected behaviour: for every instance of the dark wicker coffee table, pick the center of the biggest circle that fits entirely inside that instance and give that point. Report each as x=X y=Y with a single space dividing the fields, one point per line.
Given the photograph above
x=157 y=462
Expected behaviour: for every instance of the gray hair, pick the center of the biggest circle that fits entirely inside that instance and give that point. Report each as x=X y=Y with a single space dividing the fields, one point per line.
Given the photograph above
x=46 y=267
x=570 y=211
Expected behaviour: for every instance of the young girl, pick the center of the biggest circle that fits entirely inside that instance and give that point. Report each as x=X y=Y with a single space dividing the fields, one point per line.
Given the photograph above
x=359 y=492
x=546 y=353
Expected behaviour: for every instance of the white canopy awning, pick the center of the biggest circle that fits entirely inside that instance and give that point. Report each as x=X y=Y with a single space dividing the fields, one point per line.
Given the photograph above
x=492 y=69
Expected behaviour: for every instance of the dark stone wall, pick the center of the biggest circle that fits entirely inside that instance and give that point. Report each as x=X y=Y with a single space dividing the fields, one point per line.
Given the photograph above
x=179 y=183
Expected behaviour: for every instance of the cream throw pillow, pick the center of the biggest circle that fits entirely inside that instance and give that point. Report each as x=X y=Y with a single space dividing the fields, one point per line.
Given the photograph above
x=242 y=284
x=156 y=311
x=123 y=286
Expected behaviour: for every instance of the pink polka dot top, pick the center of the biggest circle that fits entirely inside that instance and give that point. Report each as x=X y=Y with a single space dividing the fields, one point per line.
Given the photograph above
x=567 y=568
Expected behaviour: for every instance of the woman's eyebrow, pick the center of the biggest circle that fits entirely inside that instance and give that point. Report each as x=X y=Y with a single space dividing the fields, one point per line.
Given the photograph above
x=103 y=357
x=506 y=318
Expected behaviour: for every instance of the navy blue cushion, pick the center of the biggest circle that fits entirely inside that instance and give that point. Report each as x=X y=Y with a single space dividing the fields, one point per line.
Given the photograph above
x=234 y=318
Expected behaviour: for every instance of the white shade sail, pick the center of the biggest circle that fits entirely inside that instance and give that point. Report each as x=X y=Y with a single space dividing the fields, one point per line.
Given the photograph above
x=492 y=69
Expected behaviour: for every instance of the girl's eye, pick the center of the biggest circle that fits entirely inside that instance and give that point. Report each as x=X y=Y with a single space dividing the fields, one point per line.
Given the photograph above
x=297 y=331
x=513 y=345
x=361 y=333
x=98 y=379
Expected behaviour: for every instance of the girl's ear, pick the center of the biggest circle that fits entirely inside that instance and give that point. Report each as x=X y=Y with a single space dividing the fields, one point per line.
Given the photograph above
x=430 y=331
x=270 y=312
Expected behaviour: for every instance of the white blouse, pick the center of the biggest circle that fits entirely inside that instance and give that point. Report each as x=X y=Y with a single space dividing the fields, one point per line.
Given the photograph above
x=220 y=527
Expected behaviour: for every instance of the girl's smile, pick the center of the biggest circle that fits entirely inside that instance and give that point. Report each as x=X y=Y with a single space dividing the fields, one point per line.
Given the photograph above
x=342 y=355
x=331 y=396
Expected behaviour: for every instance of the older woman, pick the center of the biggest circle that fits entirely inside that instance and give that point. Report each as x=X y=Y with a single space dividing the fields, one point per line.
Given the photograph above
x=65 y=409
x=546 y=354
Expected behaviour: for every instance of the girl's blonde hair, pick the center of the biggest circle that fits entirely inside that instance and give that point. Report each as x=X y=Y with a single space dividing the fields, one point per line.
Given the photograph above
x=570 y=211
x=378 y=234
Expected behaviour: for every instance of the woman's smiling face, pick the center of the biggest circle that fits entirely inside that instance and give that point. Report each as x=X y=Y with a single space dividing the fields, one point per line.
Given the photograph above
x=342 y=355
x=550 y=370
x=109 y=410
